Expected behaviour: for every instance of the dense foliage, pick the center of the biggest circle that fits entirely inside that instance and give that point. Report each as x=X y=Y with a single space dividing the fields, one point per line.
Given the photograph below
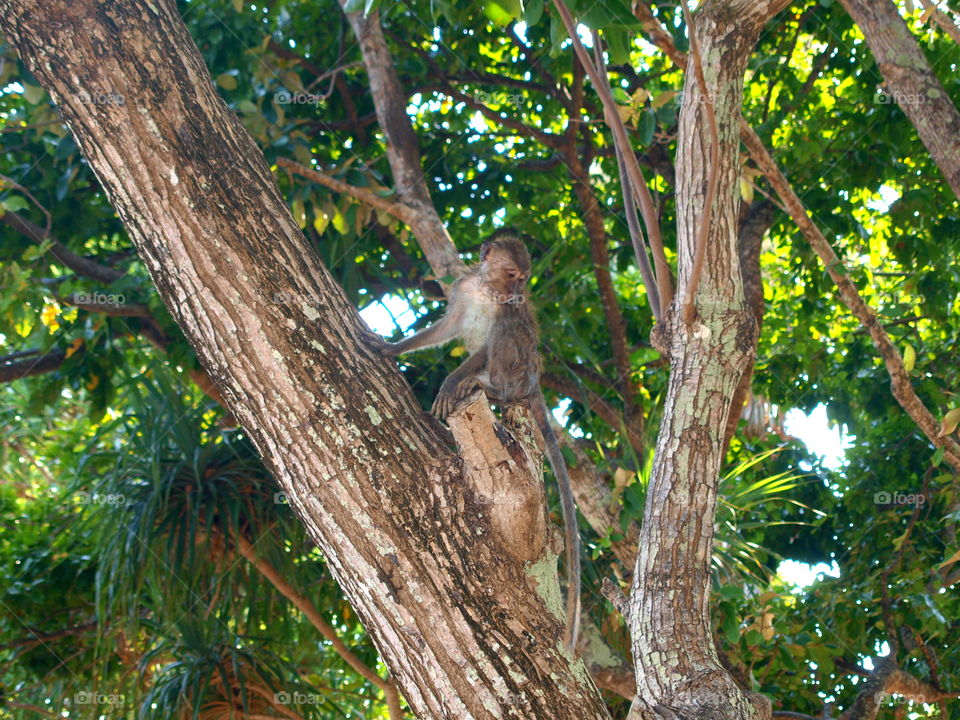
x=123 y=592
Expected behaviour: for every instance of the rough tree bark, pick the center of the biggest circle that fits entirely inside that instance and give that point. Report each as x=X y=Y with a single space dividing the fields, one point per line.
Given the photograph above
x=911 y=82
x=678 y=672
x=445 y=556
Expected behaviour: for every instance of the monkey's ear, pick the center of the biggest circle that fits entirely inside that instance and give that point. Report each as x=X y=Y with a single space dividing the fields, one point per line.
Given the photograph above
x=485 y=249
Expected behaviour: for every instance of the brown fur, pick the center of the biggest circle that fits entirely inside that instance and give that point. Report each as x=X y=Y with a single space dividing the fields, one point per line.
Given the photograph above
x=489 y=310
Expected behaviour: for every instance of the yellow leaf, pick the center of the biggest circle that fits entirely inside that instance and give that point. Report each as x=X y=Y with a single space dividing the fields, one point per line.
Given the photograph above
x=622 y=477
x=49 y=315
x=950 y=560
x=238 y=5
x=320 y=221
x=458 y=351
x=766 y=626
x=909 y=357
x=299 y=213
x=899 y=540
x=292 y=81
x=950 y=422
x=340 y=222
x=94 y=381
x=74 y=346
x=746 y=190
x=626 y=113
x=227 y=81
x=662 y=99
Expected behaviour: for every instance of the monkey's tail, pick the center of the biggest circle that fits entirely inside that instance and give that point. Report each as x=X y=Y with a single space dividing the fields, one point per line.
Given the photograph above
x=540 y=413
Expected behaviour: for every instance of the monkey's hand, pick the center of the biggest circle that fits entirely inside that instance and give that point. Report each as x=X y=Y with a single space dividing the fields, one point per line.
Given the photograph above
x=452 y=394
x=378 y=343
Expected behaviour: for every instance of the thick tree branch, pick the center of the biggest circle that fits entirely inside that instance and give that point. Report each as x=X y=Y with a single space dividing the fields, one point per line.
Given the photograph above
x=911 y=82
x=430 y=570
x=901 y=386
x=888 y=679
x=689 y=309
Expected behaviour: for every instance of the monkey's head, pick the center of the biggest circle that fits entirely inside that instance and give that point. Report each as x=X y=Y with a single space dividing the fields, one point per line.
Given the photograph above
x=505 y=264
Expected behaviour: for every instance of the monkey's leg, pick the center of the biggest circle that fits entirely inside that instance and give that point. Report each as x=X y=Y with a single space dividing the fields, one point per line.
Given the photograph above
x=459 y=384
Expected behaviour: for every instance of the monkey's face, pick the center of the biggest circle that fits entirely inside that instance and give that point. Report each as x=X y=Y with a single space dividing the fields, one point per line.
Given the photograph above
x=505 y=274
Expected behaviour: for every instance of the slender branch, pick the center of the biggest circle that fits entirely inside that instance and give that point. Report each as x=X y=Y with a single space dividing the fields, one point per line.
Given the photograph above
x=80 y=265
x=113 y=309
x=16 y=369
x=639 y=186
x=403 y=147
x=548 y=139
x=10 y=182
x=310 y=611
x=942 y=19
x=901 y=385
x=701 y=243
x=630 y=208
x=660 y=37
x=390 y=204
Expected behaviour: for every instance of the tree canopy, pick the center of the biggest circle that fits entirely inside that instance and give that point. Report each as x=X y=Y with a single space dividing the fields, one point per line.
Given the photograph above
x=152 y=568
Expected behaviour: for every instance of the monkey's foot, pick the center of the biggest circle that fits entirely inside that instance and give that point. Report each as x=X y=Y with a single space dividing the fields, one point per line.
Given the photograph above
x=449 y=400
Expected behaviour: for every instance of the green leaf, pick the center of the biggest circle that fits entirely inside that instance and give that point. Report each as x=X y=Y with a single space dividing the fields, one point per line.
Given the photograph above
x=938 y=456
x=646 y=125
x=533 y=12
x=227 y=81
x=618 y=45
x=13 y=203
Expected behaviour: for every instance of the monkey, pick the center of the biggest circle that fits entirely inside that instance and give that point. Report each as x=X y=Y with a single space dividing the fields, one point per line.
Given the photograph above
x=489 y=311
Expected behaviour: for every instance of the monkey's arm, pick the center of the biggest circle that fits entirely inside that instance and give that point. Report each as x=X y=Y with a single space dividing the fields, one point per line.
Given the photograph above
x=442 y=331
x=459 y=384
x=538 y=408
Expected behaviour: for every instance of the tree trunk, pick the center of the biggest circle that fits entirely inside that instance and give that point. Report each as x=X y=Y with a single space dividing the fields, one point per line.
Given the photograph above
x=445 y=556
x=910 y=82
x=678 y=671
